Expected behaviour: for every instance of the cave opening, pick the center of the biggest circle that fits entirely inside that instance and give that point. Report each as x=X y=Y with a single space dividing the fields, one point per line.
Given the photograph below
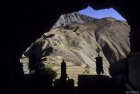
x=91 y=27
x=23 y=39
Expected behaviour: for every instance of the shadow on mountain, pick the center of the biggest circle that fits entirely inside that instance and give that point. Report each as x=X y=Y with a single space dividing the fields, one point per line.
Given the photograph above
x=48 y=51
x=49 y=36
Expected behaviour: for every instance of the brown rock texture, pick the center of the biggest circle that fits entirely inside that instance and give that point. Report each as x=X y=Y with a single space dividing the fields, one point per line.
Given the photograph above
x=75 y=38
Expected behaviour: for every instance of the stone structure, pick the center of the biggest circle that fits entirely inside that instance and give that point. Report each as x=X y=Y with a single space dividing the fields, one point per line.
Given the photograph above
x=99 y=62
x=99 y=65
x=63 y=71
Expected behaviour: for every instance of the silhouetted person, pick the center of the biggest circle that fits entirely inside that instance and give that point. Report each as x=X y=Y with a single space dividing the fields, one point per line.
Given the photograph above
x=99 y=63
x=63 y=71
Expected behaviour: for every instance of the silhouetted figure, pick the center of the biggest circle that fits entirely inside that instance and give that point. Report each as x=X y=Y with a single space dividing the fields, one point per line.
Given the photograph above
x=63 y=71
x=64 y=85
x=99 y=63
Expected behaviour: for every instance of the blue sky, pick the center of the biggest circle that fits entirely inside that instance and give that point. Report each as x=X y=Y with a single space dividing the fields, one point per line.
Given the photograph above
x=102 y=13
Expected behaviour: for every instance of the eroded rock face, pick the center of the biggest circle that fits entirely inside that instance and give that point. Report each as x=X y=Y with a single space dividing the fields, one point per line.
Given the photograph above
x=75 y=40
x=72 y=18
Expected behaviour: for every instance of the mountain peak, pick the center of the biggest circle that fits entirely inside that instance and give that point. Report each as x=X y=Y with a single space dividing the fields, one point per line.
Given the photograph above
x=72 y=18
x=77 y=46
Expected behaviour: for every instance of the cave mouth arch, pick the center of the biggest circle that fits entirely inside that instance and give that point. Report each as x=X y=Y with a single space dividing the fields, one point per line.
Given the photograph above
x=54 y=35
x=20 y=14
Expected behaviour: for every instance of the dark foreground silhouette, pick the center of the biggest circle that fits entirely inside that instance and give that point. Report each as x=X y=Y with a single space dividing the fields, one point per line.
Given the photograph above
x=42 y=83
x=87 y=84
x=99 y=84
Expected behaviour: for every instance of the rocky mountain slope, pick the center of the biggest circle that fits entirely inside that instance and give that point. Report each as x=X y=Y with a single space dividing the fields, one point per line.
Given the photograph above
x=75 y=38
x=71 y=18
